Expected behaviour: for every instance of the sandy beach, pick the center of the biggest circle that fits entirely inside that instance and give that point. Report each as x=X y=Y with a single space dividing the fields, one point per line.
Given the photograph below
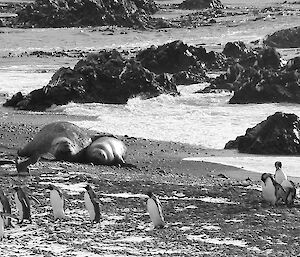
x=210 y=209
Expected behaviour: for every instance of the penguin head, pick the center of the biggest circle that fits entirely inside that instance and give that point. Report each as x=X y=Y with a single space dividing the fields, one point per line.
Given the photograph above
x=278 y=165
x=87 y=187
x=16 y=188
x=50 y=187
x=150 y=194
x=265 y=176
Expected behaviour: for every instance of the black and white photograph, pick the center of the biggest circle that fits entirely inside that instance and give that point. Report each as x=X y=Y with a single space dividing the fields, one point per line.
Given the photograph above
x=149 y=128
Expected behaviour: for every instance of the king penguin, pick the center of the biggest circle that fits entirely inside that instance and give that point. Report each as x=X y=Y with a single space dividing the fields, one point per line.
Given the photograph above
x=2 y=221
x=272 y=192
x=57 y=202
x=290 y=190
x=22 y=204
x=280 y=176
x=5 y=208
x=92 y=204
x=155 y=211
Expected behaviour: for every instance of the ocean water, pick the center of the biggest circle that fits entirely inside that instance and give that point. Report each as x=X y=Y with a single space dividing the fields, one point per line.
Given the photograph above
x=203 y=119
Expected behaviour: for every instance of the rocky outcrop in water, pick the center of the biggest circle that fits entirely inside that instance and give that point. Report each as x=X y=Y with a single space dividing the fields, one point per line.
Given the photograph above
x=238 y=50
x=201 y=4
x=278 y=134
x=286 y=38
x=258 y=76
x=186 y=63
x=268 y=82
x=75 y=13
x=105 y=77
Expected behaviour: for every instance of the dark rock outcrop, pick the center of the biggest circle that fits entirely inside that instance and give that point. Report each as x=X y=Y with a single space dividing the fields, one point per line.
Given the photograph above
x=237 y=50
x=278 y=134
x=257 y=76
x=105 y=77
x=286 y=38
x=201 y=4
x=267 y=82
x=186 y=63
x=266 y=86
x=71 y=13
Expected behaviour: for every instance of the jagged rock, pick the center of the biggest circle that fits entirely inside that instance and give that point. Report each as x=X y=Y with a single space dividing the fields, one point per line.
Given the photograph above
x=237 y=49
x=256 y=77
x=105 y=77
x=261 y=85
x=278 y=134
x=201 y=4
x=70 y=13
x=187 y=63
x=285 y=38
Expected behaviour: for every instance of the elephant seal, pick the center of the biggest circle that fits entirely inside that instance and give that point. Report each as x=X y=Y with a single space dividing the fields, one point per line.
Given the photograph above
x=106 y=150
x=63 y=140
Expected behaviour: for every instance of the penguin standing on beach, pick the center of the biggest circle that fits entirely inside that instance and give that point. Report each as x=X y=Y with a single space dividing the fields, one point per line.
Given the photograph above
x=290 y=191
x=5 y=208
x=280 y=176
x=155 y=211
x=57 y=202
x=272 y=192
x=2 y=221
x=92 y=204
x=22 y=205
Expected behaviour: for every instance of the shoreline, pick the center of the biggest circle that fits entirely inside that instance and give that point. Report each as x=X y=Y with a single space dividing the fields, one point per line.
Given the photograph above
x=165 y=156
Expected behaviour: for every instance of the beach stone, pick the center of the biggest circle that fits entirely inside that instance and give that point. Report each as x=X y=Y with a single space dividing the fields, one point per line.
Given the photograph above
x=278 y=134
x=74 y=13
x=201 y=4
x=285 y=38
x=104 y=77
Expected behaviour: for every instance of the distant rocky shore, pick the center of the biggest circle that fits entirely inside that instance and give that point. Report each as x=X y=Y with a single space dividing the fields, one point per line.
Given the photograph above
x=82 y=13
x=255 y=75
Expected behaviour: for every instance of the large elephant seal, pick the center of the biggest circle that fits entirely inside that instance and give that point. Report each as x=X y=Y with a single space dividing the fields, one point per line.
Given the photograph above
x=64 y=140
x=106 y=150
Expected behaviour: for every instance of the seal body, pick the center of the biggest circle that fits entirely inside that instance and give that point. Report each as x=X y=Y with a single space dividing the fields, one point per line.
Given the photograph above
x=22 y=205
x=5 y=208
x=63 y=140
x=57 y=202
x=155 y=211
x=106 y=150
x=92 y=205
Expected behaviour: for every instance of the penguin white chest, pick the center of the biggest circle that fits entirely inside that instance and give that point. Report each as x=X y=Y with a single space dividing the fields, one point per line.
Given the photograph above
x=1 y=228
x=268 y=191
x=155 y=213
x=1 y=207
x=19 y=207
x=280 y=176
x=89 y=206
x=57 y=203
